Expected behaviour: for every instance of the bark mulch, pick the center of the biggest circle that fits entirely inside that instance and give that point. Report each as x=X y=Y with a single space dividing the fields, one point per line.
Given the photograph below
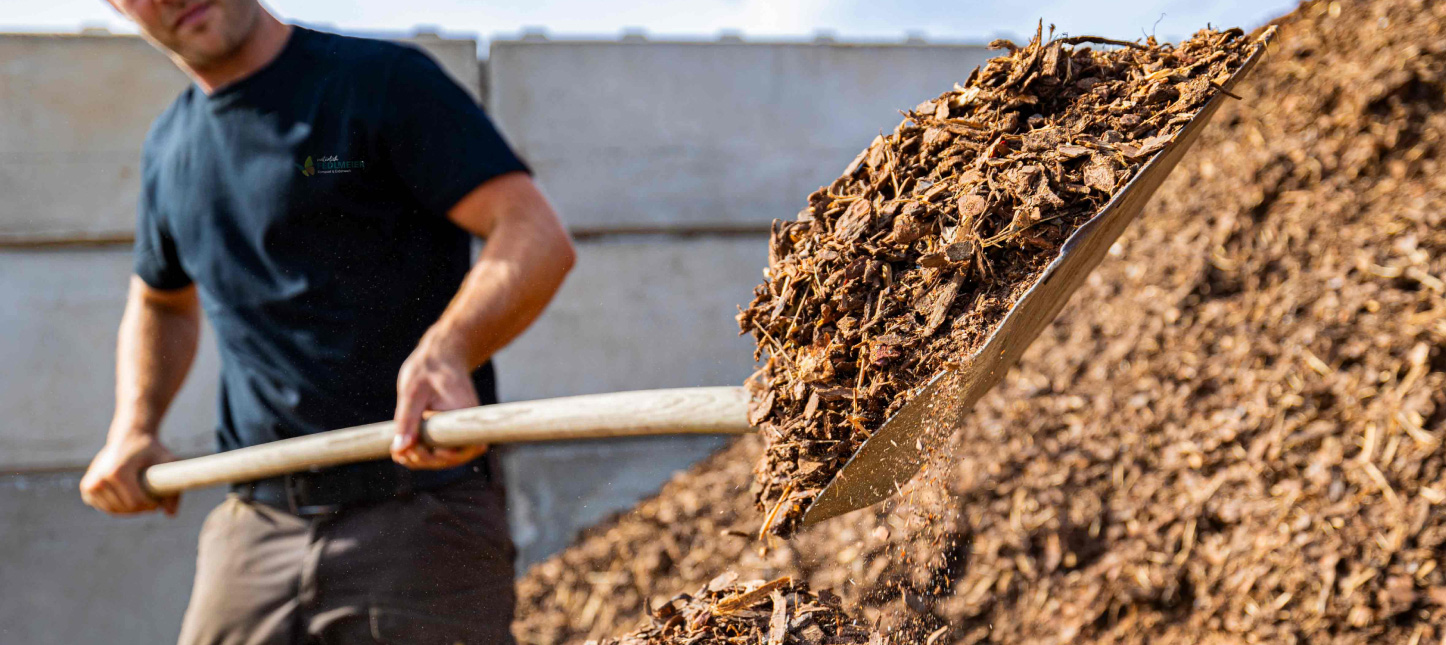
x=906 y=263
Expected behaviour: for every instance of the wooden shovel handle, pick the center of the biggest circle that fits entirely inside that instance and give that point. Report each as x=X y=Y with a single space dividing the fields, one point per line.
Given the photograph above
x=697 y=410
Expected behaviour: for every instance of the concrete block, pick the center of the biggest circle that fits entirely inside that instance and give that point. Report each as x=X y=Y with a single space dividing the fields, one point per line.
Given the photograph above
x=557 y=490
x=648 y=135
x=77 y=109
x=636 y=313
x=57 y=343
x=72 y=574
x=456 y=56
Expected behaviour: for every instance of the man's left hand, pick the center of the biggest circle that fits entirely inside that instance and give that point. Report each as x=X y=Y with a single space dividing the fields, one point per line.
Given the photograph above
x=431 y=381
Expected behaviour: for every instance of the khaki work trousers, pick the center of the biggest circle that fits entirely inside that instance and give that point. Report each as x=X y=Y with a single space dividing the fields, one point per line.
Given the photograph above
x=429 y=568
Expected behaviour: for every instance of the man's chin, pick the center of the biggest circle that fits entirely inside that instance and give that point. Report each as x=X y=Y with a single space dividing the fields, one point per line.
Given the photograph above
x=202 y=53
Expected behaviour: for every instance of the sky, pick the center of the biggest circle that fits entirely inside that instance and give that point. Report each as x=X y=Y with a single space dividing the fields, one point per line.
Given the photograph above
x=845 y=20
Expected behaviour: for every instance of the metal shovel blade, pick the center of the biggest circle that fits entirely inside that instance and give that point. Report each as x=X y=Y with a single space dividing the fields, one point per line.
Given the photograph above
x=894 y=454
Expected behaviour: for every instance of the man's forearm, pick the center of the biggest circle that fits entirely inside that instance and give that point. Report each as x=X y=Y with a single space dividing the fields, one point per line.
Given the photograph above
x=499 y=299
x=524 y=262
x=154 y=349
x=156 y=343
x=527 y=255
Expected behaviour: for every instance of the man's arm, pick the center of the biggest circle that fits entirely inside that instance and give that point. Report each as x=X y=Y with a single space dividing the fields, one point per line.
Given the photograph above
x=527 y=255
x=156 y=344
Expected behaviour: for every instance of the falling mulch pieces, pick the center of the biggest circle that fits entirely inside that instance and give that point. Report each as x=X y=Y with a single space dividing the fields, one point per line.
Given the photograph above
x=727 y=612
x=906 y=263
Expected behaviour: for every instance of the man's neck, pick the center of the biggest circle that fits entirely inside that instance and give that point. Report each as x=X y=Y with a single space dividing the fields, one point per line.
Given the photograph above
x=260 y=48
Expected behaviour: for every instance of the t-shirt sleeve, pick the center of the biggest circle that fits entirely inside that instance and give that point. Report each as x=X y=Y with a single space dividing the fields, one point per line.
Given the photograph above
x=156 y=259
x=438 y=140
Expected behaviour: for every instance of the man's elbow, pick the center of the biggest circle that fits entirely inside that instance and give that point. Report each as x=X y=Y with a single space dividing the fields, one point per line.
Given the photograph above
x=566 y=256
x=561 y=252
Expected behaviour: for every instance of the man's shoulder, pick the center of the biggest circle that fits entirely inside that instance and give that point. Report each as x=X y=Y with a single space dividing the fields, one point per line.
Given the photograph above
x=169 y=127
x=370 y=69
x=357 y=52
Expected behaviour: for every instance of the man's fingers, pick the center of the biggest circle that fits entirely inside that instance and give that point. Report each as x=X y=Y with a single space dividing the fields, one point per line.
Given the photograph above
x=419 y=396
x=409 y=457
x=139 y=501
x=89 y=497
x=129 y=501
x=102 y=498
x=449 y=457
x=131 y=498
x=171 y=504
x=432 y=458
x=403 y=455
x=108 y=500
x=468 y=453
x=113 y=482
x=423 y=457
x=128 y=486
x=113 y=495
x=88 y=491
x=409 y=420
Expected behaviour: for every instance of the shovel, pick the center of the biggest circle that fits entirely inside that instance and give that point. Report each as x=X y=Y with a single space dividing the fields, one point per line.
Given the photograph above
x=896 y=452
x=645 y=413
x=878 y=470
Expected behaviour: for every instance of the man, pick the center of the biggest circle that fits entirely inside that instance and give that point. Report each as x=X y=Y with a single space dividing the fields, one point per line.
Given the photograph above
x=313 y=194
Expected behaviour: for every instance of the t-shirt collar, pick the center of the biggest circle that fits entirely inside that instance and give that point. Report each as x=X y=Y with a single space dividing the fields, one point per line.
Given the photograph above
x=228 y=94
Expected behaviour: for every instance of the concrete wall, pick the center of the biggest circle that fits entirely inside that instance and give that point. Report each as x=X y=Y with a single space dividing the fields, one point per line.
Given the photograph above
x=69 y=576
x=638 y=312
x=649 y=150
x=62 y=308
x=707 y=134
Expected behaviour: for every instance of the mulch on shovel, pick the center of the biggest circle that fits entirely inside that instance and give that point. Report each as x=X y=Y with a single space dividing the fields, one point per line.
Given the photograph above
x=904 y=265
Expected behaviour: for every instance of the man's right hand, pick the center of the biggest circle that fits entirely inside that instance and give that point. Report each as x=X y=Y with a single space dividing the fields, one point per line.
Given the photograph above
x=113 y=481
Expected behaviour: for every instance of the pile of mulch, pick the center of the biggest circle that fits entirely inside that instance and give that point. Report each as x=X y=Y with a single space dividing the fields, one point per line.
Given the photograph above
x=907 y=262
x=1234 y=435
x=726 y=612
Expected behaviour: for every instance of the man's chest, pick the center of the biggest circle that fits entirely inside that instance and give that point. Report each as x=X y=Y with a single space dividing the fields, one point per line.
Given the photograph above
x=276 y=200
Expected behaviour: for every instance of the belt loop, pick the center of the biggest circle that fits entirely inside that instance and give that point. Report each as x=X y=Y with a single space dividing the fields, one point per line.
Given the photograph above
x=288 y=487
x=488 y=465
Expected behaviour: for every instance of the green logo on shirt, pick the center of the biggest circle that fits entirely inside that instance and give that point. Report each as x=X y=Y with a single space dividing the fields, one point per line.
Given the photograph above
x=329 y=166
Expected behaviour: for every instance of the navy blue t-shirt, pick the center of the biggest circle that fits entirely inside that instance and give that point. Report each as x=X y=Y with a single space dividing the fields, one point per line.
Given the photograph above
x=308 y=204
